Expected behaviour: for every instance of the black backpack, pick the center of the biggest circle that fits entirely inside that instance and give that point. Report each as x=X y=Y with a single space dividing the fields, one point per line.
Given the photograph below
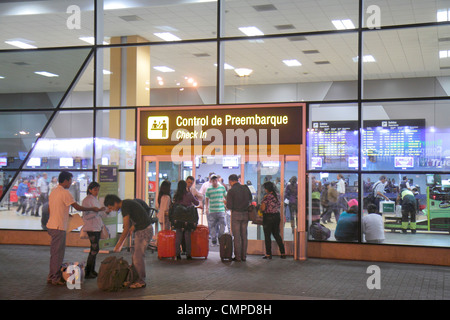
x=150 y=211
x=319 y=231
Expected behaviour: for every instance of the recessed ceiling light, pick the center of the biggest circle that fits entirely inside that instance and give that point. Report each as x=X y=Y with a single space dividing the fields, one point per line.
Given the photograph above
x=106 y=71
x=20 y=44
x=226 y=66
x=163 y=69
x=443 y=15
x=243 y=72
x=444 y=54
x=343 y=24
x=90 y=40
x=292 y=63
x=367 y=58
x=1 y=77
x=167 y=36
x=251 y=31
x=46 y=74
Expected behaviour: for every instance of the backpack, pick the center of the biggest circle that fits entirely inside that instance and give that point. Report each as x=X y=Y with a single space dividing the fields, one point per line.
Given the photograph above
x=370 y=198
x=319 y=231
x=150 y=211
x=112 y=274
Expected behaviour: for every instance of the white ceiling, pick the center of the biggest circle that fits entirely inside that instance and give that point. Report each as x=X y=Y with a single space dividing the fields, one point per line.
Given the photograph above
x=399 y=53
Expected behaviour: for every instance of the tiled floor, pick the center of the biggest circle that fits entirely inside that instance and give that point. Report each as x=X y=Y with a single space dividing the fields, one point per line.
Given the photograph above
x=23 y=271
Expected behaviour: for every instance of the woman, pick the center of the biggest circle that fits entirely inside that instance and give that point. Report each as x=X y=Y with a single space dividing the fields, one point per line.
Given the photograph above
x=187 y=209
x=270 y=206
x=163 y=204
x=290 y=197
x=347 y=225
x=93 y=225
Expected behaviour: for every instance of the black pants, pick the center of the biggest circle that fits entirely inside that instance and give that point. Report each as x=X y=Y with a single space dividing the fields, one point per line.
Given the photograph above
x=94 y=238
x=271 y=226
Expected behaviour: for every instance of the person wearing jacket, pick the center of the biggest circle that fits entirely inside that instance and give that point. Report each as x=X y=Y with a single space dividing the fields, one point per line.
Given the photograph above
x=183 y=201
x=347 y=225
x=21 y=192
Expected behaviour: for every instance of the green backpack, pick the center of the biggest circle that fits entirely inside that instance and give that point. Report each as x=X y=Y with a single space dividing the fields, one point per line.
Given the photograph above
x=112 y=274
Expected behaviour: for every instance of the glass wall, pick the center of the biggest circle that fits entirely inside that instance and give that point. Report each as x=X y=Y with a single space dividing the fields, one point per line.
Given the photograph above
x=377 y=94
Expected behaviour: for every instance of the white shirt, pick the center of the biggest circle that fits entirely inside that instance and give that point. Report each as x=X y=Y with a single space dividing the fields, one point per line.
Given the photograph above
x=163 y=207
x=92 y=220
x=372 y=227
x=59 y=203
x=42 y=185
x=340 y=186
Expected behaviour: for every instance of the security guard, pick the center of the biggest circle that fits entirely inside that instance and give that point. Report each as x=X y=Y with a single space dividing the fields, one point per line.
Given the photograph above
x=408 y=202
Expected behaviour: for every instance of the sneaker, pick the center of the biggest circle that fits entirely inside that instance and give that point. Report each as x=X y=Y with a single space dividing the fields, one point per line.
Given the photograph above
x=137 y=285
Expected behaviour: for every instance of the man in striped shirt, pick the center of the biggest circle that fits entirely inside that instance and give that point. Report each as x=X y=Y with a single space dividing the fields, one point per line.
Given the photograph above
x=215 y=208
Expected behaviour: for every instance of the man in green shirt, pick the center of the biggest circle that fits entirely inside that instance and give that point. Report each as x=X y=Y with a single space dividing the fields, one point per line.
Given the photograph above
x=215 y=208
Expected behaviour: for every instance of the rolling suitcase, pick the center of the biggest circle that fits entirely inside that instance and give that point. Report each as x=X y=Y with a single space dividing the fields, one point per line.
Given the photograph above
x=200 y=242
x=226 y=247
x=166 y=244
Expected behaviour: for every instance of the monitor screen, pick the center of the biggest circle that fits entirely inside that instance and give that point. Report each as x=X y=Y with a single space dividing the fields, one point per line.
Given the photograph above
x=404 y=162
x=230 y=162
x=66 y=162
x=3 y=161
x=34 y=162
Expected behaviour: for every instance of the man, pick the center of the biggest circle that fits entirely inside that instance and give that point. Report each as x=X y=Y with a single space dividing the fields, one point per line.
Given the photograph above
x=215 y=208
x=137 y=220
x=21 y=193
x=340 y=187
x=378 y=190
x=408 y=202
x=191 y=187
x=42 y=187
x=60 y=202
x=238 y=201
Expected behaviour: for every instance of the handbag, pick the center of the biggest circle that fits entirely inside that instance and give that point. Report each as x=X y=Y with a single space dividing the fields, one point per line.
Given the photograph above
x=255 y=215
x=104 y=233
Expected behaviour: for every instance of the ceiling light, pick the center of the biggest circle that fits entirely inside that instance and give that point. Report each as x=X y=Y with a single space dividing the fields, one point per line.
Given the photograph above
x=46 y=74
x=90 y=40
x=443 y=15
x=292 y=63
x=20 y=44
x=106 y=71
x=444 y=54
x=163 y=69
x=251 y=31
x=1 y=77
x=226 y=66
x=243 y=72
x=114 y=5
x=343 y=24
x=167 y=36
x=160 y=82
x=367 y=58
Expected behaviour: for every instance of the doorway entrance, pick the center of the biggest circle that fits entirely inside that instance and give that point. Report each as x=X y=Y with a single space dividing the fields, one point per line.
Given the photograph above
x=283 y=172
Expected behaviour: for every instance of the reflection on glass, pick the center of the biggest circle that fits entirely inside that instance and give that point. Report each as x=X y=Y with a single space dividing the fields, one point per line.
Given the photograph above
x=417 y=211
x=290 y=199
x=25 y=206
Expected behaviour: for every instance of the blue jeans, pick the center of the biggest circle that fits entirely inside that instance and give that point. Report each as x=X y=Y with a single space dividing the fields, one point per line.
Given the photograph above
x=216 y=222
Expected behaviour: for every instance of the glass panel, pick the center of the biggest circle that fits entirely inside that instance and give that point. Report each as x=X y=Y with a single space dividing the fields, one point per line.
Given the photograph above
x=406 y=136
x=379 y=13
x=115 y=143
x=223 y=167
x=29 y=195
x=403 y=63
x=67 y=144
x=82 y=94
x=148 y=19
x=333 y=137
x=37 y=79
x=290 y=201
x=177 y=74
x=152 y=184
x=271 y=70
x=338 y=196
x=288 y=16
x=255 y=175
x=18 y=133
x=417 y=213
x=53 y=23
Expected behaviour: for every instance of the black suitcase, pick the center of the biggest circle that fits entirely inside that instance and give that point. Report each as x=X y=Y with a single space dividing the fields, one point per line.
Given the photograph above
x=226 y=247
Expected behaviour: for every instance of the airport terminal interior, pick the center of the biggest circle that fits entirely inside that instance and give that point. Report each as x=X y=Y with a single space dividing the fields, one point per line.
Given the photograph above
x=372 y=76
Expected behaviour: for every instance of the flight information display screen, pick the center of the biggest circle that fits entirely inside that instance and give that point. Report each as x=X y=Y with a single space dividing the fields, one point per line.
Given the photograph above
x=333 y=138
x=394 y=138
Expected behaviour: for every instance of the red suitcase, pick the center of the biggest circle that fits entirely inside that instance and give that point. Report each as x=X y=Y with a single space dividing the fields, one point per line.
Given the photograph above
x=166 y=244
x=200 y=242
